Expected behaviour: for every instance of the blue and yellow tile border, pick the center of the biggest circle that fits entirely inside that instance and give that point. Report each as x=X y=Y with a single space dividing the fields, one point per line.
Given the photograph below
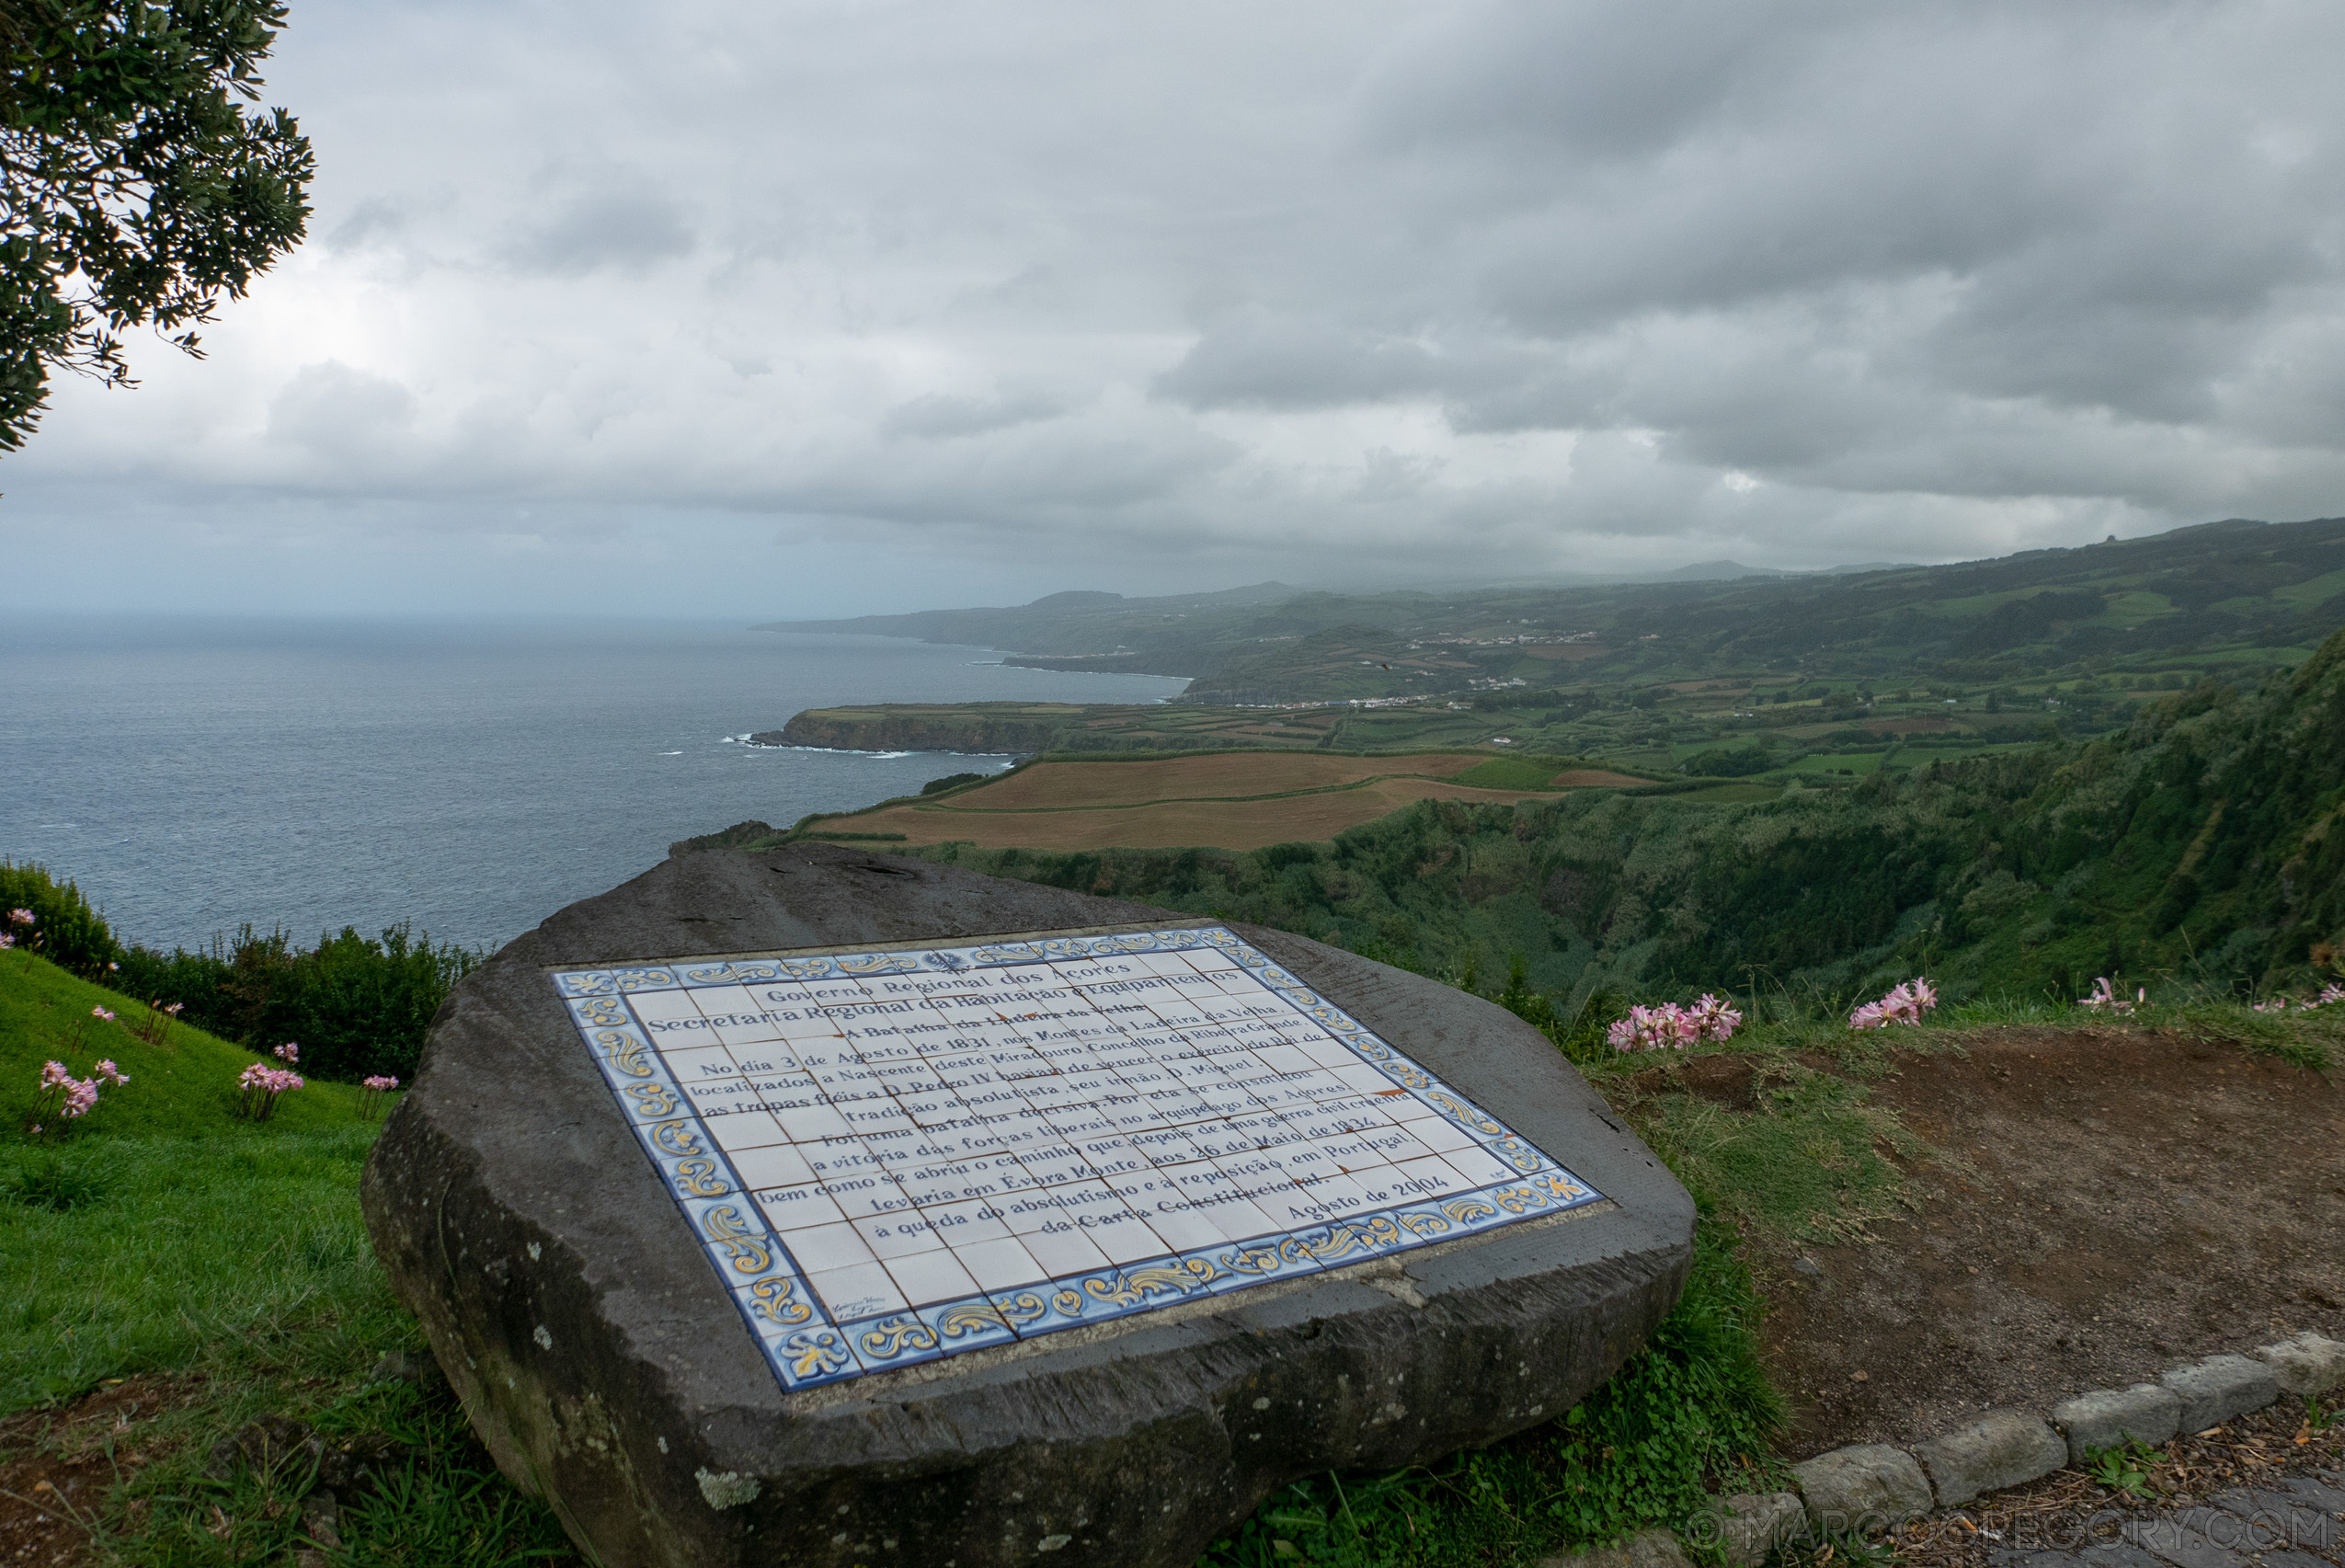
x=799 y=1340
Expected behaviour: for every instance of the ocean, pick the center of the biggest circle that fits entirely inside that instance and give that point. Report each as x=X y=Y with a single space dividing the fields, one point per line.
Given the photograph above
x=471 y=777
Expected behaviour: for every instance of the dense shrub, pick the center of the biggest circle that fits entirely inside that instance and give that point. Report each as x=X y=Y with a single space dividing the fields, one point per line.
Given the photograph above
x=356 y=1004
x=67 y=931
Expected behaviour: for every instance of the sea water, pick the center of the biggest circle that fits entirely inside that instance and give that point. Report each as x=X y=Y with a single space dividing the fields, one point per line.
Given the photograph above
x=193 y=775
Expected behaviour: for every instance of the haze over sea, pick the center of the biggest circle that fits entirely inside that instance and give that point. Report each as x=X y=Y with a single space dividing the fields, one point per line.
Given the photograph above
x=471 y=776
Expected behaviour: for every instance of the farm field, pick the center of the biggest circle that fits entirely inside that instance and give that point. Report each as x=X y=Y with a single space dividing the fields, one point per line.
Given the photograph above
x=1220 y=775
x=1238 y=801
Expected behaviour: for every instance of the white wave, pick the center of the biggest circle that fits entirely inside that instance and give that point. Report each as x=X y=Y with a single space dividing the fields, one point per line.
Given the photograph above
x=669 y=753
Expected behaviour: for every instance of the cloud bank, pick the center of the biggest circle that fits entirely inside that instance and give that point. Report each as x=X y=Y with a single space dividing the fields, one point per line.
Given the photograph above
x=1058 y=294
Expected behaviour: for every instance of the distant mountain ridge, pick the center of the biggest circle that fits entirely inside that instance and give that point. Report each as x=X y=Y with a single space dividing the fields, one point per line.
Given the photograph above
x=2235 y=583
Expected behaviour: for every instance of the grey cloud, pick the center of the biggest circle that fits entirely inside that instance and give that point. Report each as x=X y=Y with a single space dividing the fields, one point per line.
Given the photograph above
x=625 y=231
x=339 y=412
x=1547 y=282
x=938 y=416
x=1253 y=359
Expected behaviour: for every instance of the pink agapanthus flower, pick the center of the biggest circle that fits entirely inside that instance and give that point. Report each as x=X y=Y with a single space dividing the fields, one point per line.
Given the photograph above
x=261 y=1084
x=288 y=1052
x=1671 y=1026
x=67 y=1095
x=101 y=1016
x=108 y=1069
x=380 y=1083
x=2105 y=995
x=1905 y=1004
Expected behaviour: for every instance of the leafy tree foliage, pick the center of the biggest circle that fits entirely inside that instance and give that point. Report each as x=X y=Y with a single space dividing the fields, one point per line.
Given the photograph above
x=135 y=189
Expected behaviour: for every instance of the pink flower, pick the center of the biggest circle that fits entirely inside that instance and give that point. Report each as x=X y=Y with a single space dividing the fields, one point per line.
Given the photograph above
x=2277 y=1004
x=2105 y=995
x=380 y=1083
x=54 y=1073
x=7 y=941
x=101 y=1016
x=174 y=1009
x=1672 y=1027
x=1903 y=1004
x=288 y=1052
x=21 y=917
x=108 y=1069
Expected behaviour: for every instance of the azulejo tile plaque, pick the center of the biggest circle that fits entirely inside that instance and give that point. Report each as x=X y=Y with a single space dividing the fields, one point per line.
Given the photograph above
x=894 y=1156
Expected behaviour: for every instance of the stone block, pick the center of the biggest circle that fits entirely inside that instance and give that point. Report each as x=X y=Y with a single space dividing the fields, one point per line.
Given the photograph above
x=1748 y=1526
x=1863 y=1490
x=1648 y=1549
x=2001 y=1448
x=612 y=1371
x=2216 y=1390
x=2305 y=1364
x=2146 y=1412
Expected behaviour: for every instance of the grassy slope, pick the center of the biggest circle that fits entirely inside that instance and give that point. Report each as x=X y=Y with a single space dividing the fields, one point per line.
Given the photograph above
x=161 y=1234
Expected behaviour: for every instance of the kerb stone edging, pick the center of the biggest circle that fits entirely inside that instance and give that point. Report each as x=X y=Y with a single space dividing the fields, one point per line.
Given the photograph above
x=1868 y=1487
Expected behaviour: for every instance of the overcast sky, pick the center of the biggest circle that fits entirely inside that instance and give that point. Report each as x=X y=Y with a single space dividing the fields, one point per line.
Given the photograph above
x=804 y=308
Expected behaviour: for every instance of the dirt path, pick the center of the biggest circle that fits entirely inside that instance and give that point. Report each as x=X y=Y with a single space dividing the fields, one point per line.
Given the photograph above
x=2115 y=1203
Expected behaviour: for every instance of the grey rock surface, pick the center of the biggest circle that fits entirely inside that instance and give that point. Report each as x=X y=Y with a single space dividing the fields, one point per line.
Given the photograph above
x=1749 y=1526
x=2216 y=1390
x=603 y=1365
x=2305 y=1364
x=1649 y=1549
x=2265 y=1520
x=2001 y=1448
x=2177 y=1543
x=2146 y=1412
x=1865 y=1488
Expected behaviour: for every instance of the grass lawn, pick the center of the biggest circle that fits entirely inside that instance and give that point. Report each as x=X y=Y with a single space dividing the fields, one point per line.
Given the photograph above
x=221 y=1266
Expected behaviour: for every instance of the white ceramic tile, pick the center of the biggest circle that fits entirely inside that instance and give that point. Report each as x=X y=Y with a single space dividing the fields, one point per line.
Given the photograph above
x=926 y=1278
x=891 y=1236
x=1063 y=1251
x=1001 y=1264
x=819 y=1248
x=1481 y=1167
x=966 y=1221
x=774 y=1165
x=857 y=1291
x=799 y=1209
x=749 y=1129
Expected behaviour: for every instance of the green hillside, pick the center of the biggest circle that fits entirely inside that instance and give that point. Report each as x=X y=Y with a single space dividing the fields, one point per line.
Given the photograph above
x=2194 y=846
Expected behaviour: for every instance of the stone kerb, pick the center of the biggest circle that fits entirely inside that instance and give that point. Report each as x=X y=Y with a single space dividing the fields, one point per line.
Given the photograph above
x=602 y=1361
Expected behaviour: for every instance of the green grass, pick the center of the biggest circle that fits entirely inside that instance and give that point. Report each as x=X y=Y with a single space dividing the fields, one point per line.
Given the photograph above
x=161 y=1234
x=184 y=1086
x=1690 y=1412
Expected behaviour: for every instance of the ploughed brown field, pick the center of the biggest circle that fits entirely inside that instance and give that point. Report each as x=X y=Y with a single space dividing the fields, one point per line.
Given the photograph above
x=1236 y=801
